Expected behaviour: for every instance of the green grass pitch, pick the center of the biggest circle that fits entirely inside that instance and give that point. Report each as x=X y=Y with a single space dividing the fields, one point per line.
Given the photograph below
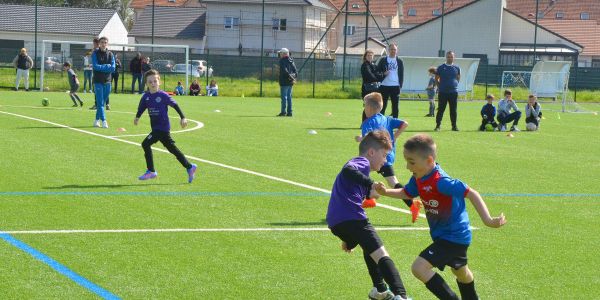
x=56 y=178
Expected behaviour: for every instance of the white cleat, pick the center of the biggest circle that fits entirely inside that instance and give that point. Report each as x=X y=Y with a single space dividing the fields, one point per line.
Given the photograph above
x=375 y=295
x=97 y=123
x=104 y=124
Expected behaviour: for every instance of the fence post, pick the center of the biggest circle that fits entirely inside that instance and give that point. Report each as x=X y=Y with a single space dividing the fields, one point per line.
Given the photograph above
x=314 y=78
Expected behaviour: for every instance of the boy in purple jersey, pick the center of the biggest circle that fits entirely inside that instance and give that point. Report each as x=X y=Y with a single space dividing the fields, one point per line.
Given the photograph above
x=348 y=221
x=157 y=102
x=444 y=200
x=394 y=127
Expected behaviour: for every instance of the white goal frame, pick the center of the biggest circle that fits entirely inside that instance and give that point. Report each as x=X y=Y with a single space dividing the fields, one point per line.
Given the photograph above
x=112 y=46
x=541 y=84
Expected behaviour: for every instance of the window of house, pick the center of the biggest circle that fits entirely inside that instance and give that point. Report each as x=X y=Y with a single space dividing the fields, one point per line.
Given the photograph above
x=540 y=15
x=437 y=12
x=280 y=24
x=355 y=6
x=412 y=12
x=560 y=15
x=232 y=22
x=584 y=16
x=595 y=63
x=350 y=29
x=56 y=48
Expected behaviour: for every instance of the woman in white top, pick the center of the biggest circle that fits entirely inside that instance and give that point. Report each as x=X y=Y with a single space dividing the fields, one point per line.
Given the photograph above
x=212 y=89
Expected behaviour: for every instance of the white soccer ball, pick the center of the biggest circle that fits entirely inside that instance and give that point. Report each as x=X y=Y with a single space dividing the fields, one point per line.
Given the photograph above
x=531 y=127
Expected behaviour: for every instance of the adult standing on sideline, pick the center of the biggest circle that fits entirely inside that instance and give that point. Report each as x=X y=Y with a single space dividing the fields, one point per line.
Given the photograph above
x=115 y=74
x=287 y=79
x=146 y=66
x=103 y=62
x=371 y=77
x=22 y=63
x=87 y=72
x=393 y=69
x=447 y=76
x=135 y=67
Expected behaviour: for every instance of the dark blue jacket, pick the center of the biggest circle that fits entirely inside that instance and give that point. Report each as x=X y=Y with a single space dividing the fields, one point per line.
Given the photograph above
x=488 y=110
x=287 y=71
x=103 y=63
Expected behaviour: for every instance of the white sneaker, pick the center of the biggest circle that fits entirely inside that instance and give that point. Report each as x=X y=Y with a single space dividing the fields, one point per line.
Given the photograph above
x=503 y=128
x=375 y=295
x=104 y=124
x=398 y=297
x=97 y=123
x=515 y=129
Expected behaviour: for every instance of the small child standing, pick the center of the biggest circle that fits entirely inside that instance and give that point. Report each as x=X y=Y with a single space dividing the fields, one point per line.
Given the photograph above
x=444 y=201
x=348 y=220
x=504 y=114
x=73 y=83
x=394 y=127
x=533 y=114
x=157 y=102
x=488 y=114
x=431 y=92
x=179 y=89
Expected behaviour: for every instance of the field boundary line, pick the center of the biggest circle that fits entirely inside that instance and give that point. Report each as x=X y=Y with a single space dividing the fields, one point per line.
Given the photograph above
x=274 y=178
x=172 y=230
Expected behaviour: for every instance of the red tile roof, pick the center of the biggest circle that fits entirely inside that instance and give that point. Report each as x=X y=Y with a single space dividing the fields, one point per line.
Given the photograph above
x=584 y=32
x=386 y=8
x=570 y=8
x=424 y=9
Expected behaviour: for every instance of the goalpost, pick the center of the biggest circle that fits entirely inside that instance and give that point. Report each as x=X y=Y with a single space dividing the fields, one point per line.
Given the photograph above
x=168 y=55
x=548 y=79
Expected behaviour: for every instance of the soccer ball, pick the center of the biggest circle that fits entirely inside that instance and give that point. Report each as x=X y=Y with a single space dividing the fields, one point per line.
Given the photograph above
x=489 y=127
x=45 y=102
x=531 y=127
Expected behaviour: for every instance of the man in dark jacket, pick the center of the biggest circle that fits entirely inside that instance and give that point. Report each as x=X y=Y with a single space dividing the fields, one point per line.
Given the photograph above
x=287 y=78
x=135 y=66
x=22 y=63
x=392 y=67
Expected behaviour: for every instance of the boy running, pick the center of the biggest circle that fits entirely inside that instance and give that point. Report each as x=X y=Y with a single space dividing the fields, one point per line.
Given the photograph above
x=348 y=221
x=394 y=127
x=444 y=200
x=73 y=83
x=157 y=102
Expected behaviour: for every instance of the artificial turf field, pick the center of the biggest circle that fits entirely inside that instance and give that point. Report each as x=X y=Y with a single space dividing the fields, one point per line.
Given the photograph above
x=70 y=198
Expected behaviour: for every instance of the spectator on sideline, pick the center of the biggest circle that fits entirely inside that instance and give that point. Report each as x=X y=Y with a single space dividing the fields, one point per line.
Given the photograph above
x=393 y=70
x=179 y=89
x=212 y=89
x=287 y=79
x=103 y=62
x=371 y=77
x=87 y=72
x=431 y=92
x=146 y=66
x=22 y=63
x=135 y=67
x=504 y=114
x=533 y=114
x=447 y=77
x=194 y=88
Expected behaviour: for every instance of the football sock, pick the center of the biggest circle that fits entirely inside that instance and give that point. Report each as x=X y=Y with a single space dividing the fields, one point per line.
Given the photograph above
x=391 y=276
x=73 y=99
x=408 y=202
x=374 y=273
x=440 y=288
x=467 y=290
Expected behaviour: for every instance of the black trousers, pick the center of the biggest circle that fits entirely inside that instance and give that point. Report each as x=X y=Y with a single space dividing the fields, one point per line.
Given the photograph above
x=444 y=99
x=165 y=138
x=393 y=93
x=115 y=79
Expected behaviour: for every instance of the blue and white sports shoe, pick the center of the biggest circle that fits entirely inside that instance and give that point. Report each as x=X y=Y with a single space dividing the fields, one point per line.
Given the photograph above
x=375 y=295
x=191 y=172
x=148 y=175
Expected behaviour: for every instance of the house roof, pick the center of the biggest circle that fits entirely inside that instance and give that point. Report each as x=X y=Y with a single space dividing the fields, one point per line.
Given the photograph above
x=315 y=3
x=72 y=20
x=570 y=8
x=423 y=9
x=585 y=32
x=377 y=7
x=374 y=34
x=141 y=4
x=171 y=22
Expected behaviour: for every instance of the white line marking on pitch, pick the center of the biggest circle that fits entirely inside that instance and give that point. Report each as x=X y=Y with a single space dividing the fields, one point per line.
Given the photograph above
x=306 y=186
x=75 y=231
x=198 y=123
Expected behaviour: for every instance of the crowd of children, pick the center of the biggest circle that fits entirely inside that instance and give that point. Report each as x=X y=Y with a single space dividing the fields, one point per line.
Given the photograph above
x=533 y=114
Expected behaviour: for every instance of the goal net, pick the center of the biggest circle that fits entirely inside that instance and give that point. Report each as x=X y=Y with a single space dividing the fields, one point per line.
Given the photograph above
x=549 y=81
x=172 y=61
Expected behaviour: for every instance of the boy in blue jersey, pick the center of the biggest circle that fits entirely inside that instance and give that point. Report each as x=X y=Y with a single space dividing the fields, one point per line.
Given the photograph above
x=157 y=102
x=488 y=113
x=394 y=127
x=348 y=221
x=444 y=200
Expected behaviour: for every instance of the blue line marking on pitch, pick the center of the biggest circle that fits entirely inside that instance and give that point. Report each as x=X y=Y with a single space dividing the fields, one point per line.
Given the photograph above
x=58 y=267
x=249 y=194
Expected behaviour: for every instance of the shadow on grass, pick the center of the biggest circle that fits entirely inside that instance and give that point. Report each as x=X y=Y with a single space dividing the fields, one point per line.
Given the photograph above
x=93 y=186
x=335 y=128
x=52 y=127
x=296 y=223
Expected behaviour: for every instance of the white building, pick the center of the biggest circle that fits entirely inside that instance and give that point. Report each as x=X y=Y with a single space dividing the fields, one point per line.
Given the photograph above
x=233 y=27
x=17 y=28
